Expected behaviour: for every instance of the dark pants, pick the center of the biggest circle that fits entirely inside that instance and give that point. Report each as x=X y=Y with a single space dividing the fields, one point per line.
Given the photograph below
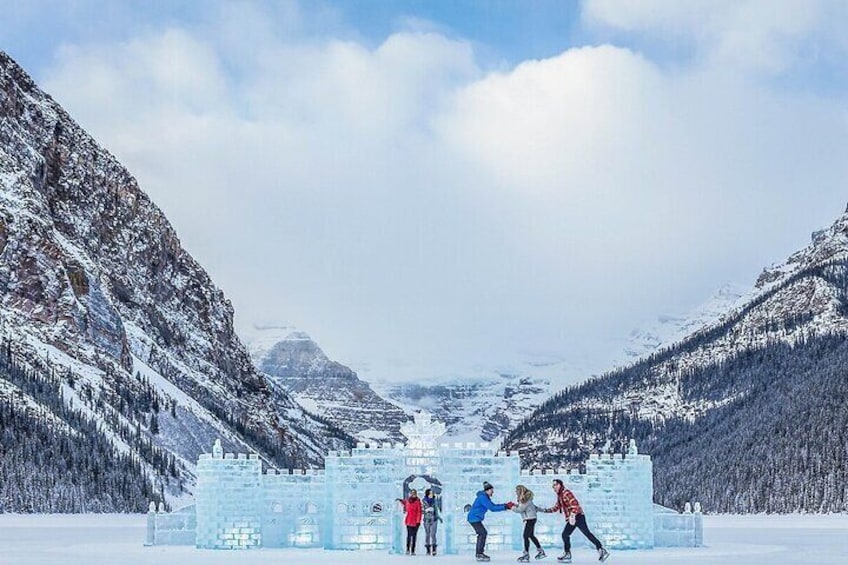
x=581 y=525
x=530 y=535
x=481 y=536
x=411 y=537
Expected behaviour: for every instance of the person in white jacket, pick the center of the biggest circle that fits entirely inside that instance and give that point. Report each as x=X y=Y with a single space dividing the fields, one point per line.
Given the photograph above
x=528 y=511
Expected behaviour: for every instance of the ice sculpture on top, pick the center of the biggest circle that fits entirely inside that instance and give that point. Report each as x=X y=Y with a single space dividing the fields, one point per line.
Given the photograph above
x=351 y=503
x=422 y=432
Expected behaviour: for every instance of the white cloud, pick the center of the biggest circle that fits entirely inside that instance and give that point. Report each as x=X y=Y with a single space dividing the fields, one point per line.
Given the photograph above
x=398 y=201
x=544 y=124
x=759 y=35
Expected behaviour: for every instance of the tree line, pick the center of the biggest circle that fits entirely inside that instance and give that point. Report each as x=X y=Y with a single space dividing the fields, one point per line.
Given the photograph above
x=56 y=458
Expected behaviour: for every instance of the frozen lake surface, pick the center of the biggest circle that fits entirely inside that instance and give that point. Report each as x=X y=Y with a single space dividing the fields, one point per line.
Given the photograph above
x=118 y=540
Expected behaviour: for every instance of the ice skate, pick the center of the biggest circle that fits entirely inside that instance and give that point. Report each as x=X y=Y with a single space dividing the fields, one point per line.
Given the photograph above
x=565 y=557
x=483 y=557
x=603 y=554
x=541 y=554
x=525 y=558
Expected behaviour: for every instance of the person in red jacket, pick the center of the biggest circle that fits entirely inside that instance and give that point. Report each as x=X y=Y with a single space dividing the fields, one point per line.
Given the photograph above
x=575 y=518
x=414 y=513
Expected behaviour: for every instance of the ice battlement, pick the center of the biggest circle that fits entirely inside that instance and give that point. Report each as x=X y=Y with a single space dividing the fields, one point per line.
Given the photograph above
x=351 y=503
x=294 y=472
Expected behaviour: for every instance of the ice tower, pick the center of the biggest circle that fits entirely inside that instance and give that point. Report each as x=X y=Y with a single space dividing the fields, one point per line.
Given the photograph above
x=229 y=490
x=351 y=504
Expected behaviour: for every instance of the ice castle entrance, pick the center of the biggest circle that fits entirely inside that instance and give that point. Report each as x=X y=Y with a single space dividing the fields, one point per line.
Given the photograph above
x=421 y=463
x=420 y=483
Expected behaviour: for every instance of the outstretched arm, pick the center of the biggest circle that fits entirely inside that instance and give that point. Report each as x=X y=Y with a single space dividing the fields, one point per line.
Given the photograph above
x=487 y=502
x=555 y=508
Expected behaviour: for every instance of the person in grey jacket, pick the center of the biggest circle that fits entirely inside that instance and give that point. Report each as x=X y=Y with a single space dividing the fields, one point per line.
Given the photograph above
x=431 y=519
x=528 y=511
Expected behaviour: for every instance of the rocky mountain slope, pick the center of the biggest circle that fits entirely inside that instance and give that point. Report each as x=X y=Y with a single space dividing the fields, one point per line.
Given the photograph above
x=748 y=414
x=95 y=287
x=293 y=360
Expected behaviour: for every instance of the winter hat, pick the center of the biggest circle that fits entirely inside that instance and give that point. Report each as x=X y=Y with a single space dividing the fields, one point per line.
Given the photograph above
x=487 y=486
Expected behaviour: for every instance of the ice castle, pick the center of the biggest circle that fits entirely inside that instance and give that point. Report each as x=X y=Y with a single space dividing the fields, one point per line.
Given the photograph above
x=351 y=504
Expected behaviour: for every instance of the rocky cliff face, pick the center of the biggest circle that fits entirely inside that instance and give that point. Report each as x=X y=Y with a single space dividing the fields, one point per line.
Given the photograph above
x=94 y=278
x=294 y=361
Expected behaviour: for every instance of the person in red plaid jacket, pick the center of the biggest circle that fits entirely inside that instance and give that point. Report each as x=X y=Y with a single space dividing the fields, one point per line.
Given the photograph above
x=575 y=518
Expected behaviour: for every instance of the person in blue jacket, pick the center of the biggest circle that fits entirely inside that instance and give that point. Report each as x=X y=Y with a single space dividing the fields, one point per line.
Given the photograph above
x=477 y=514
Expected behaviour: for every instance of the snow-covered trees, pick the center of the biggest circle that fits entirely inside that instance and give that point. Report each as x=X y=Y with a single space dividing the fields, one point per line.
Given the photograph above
x=54 y=458
x=778 y=441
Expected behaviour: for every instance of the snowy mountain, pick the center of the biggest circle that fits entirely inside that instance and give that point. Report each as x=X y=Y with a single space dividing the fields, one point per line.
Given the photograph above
x=102 y=306
x=485 y=403
x=473 y=408
x=668 y=329
x=757 y=398
x=293 y=360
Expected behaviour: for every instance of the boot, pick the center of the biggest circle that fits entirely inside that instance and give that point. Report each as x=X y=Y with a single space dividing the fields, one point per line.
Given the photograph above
x=434 y=550
x=428 y=549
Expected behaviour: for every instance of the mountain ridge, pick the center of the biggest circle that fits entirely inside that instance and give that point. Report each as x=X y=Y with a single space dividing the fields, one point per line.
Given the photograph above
x=94 y=278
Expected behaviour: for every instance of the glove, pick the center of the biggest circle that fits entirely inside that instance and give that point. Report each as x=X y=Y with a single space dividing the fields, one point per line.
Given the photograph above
x=509 y=505
x=572 y=519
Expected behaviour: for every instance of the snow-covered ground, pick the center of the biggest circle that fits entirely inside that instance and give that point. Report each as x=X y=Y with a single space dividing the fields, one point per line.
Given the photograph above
x=118 y=540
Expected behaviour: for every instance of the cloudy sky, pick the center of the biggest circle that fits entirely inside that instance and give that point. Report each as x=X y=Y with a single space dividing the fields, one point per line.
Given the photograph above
x=433 y=183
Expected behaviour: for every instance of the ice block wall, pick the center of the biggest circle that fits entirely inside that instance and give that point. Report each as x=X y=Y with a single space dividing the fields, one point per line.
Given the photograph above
x=673 y=529
x=361 y=488
x=228 y=500
x=172 y=528
x=293 y=508
x=616 y=494
x=464 y=467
